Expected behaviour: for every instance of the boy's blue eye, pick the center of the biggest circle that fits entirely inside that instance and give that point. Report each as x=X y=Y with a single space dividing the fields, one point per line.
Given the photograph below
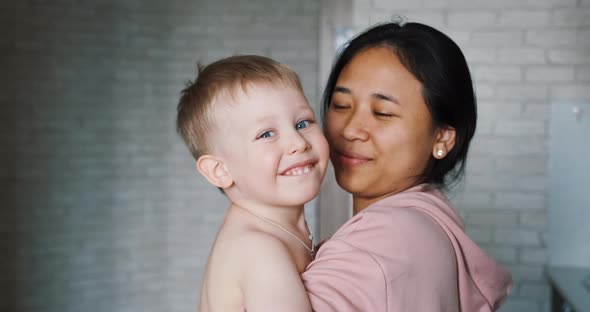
x=266 y=134
x=302 y=124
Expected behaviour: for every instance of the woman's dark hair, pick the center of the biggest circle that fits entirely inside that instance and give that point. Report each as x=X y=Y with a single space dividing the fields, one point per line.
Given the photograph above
x=438 y=63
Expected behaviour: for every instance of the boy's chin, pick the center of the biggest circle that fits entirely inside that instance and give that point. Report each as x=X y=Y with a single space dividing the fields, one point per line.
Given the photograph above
x=302 y=198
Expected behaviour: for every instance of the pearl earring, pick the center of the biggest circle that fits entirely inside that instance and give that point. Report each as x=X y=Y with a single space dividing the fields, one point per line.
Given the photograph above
x=440 y=153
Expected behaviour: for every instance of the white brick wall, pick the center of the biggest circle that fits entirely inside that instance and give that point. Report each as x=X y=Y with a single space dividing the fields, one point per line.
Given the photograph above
x=550 y=38
x=549 y=73
x=524 y=55
x=583 y=73
x=101 y=207
x=567 y=56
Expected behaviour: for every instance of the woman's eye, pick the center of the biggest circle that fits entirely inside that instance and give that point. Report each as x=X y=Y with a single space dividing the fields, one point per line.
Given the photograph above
x=266 y=134
x=302 y=124
x=338 y=106
x=383 y=114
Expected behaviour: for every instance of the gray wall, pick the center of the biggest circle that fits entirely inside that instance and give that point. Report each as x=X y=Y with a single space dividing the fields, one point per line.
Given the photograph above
x=101 y=208
x=524 y=55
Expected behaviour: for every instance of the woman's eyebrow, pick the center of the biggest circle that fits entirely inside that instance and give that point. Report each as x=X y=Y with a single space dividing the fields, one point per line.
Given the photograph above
x=342 y=90
x=390 y=98
x=379 y=96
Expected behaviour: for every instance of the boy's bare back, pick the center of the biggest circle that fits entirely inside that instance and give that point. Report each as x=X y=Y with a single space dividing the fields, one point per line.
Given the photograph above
x=249 y=255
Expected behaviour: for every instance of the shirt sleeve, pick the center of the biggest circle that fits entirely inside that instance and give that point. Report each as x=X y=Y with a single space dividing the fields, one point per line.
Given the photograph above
x=344 y=278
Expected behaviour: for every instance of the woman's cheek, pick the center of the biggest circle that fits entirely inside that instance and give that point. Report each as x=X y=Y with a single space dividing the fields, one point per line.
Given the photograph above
x=332 y=128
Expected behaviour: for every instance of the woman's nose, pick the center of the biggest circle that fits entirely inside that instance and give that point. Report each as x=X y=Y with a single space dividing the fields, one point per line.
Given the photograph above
x=355 y=128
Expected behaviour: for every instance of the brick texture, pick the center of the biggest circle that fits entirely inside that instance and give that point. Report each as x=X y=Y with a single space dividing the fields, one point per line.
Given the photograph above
x=102 y=209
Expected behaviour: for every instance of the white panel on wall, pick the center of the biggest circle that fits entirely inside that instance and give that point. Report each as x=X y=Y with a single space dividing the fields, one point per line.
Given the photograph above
x=569 y=185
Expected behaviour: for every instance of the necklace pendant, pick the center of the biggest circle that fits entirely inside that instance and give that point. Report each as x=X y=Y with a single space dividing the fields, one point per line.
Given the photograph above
x=311 y=250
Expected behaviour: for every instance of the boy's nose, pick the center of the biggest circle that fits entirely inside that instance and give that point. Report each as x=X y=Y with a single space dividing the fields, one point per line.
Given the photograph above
x=297 y=143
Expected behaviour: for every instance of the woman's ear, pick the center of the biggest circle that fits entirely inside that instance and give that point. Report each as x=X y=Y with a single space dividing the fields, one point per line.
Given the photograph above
x=445 y=141
x=215 y=171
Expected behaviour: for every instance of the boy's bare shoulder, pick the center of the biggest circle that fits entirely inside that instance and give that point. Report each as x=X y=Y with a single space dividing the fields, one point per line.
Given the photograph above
x=260 y=264
x=253 y=244
x=244 y=239
x=269 y=278
x=238 y=252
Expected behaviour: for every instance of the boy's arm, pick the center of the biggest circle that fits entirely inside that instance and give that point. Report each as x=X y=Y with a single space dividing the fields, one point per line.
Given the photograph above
x=270 y=281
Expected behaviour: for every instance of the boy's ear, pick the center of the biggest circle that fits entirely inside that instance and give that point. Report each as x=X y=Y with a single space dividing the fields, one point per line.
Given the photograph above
x=215 y=171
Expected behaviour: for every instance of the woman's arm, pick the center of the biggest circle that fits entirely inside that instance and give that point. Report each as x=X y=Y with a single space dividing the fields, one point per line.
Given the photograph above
x=344 y=278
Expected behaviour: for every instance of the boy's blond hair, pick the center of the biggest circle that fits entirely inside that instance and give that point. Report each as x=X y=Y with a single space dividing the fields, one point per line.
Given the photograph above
x=225 y=76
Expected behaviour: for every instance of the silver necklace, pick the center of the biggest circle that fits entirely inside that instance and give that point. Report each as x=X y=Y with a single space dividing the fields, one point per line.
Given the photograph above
x=310 y=250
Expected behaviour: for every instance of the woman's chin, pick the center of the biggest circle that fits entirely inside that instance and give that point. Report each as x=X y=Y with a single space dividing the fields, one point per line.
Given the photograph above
x=350 y=183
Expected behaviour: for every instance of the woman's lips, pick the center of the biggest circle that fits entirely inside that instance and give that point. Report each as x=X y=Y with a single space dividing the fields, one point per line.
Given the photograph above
x=351 y=159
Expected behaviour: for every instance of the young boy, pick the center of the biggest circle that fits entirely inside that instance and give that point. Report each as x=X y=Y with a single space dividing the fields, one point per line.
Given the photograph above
x=249 y=126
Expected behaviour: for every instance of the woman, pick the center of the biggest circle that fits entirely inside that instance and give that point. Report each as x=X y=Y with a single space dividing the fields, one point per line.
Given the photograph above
x=399 y=112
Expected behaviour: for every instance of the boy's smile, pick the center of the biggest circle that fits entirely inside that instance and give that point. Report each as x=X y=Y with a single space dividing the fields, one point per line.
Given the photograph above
x=300 y=168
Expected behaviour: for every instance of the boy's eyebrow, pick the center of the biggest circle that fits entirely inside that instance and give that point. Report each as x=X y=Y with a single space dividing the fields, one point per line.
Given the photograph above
x=265 y=119
x=379 y=96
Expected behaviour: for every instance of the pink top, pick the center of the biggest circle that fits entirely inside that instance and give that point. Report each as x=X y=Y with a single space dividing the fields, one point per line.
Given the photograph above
x=394 y=256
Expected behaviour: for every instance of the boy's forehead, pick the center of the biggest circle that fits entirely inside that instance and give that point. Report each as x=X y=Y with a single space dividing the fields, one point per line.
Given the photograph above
x=227 y=109
x=255 y=101
x=241 y=94
x=245 y=90
x=226 y=102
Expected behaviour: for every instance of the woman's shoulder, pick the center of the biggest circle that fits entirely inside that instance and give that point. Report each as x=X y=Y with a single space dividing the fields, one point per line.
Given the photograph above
x=392 y=224
x=418 y=210
x=396 y=228
x=394 y=245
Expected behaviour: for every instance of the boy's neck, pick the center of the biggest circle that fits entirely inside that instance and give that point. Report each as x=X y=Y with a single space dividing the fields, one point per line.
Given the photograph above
x=284 y=215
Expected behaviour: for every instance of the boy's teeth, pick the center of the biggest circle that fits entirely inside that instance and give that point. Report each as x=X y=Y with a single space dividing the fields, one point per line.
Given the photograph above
x=298 y=171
